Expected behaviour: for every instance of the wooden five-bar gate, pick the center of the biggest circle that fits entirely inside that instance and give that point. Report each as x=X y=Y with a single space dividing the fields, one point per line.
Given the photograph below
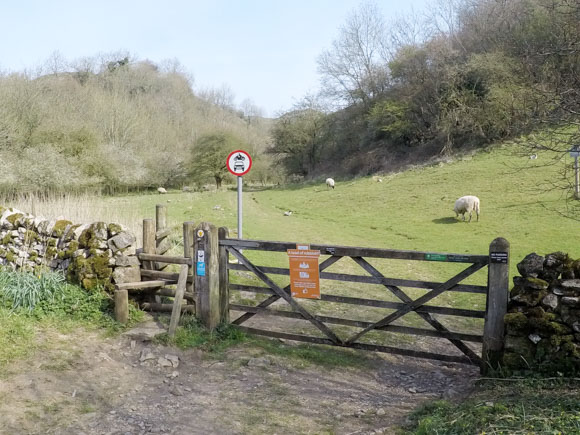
x=207 y=290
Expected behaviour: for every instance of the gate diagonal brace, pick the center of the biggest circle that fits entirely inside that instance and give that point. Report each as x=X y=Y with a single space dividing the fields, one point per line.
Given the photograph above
x=426 y=316
x=281 y=293
x=420 y=301
x=267 y=302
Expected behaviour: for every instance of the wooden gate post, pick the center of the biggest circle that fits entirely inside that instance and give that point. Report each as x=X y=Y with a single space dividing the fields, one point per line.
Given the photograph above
x=206 y=273
x=496 y=305
x=224 y=278
x=188 y=233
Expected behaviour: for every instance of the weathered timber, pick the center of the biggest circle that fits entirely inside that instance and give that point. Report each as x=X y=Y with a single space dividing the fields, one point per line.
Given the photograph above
x=466 y=288
x=351 y=251
x=361 y=324
x=179 y=291
x=206 y=274
x=421 y=300
x=142 y=285
x=169 y=292
x=164 y=259
x=224 y=292
x=121 y=306
x=425 y=316
x=166 y=308
x=162 y=234
x=281 y=293
x=162 y=247
x=148 y=241
x=372 y=302
x=158 y=274
x=356 y=345
x=496 y=306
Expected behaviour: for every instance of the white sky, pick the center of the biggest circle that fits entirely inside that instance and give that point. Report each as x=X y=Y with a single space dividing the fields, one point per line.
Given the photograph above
x=264 y=50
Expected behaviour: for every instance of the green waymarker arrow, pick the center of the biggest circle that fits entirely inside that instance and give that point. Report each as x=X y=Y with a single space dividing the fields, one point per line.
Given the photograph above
x=436 y=257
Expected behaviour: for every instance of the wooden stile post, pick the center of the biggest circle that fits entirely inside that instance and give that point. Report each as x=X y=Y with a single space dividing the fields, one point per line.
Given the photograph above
x=188 y=234
x=224 y=278
x=496 y=305
x=206 y=274
x=161 y=216
x=149 y=248
x=122 y=306
x=161 y=242
x=179 y=292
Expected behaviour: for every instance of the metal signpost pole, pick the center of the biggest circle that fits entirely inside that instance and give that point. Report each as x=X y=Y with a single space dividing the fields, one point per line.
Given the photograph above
x=240 y=207
x=239 y=163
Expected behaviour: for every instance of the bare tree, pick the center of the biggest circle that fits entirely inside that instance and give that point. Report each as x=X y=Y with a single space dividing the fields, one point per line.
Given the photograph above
x=354 y=70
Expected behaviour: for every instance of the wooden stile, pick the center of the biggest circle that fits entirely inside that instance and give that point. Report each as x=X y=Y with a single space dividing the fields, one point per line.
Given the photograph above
x=179 y=292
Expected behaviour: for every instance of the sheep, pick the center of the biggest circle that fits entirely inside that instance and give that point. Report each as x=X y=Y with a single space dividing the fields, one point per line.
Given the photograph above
x=467 y=204
x=161 y=190
x=329 y=183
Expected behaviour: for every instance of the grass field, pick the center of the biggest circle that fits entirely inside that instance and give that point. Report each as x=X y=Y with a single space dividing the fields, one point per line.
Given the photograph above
x=411 y=210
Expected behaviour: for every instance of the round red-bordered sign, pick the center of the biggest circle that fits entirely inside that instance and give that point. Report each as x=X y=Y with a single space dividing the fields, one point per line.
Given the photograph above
x=239 y=163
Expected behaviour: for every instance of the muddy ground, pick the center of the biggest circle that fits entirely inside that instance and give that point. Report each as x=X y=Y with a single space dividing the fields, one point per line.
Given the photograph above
x=87 y=384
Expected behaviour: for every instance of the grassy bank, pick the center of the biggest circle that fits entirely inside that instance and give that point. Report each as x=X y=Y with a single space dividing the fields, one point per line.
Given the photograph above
x=505 y=406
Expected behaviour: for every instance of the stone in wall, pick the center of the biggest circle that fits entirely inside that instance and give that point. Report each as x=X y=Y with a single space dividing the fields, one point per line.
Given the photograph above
x=97 y=254
x=543 y=320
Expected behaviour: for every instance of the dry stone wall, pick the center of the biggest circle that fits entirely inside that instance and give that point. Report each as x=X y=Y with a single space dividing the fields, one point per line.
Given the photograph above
x=543 y=320
x=92 y=255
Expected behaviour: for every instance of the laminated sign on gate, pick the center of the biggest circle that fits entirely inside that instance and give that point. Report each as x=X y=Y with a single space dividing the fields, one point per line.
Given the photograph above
x=304 y=276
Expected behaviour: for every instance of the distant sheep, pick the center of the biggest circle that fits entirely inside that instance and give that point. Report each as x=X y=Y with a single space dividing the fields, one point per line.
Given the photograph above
x=161 y=190
x=467 y=204
x=329 y=183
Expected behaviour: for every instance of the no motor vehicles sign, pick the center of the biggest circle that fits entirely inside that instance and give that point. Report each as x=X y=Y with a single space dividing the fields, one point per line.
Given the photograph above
x=239 y=163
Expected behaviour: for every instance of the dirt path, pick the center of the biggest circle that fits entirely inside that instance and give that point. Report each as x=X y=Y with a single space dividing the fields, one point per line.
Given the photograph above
x=87 y=384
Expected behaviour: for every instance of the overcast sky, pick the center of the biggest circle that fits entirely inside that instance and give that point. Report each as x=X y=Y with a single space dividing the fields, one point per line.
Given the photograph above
x=264 y=50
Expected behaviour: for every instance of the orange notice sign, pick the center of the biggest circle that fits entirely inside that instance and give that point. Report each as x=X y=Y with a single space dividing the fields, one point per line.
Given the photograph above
x=304 y=277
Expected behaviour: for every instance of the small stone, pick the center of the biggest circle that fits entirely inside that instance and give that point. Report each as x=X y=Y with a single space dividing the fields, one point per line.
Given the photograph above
x=381 y=411
x=412 y=390
x=259 y=362
x=146 y=355
x=164 y=362
x=534 y=338
x=133 y=344
x=574 y=302
x=176 y=391
x=550 y=301
x=174 y=360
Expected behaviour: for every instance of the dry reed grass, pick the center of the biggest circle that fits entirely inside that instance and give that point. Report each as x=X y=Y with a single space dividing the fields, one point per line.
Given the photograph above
x=77 y=208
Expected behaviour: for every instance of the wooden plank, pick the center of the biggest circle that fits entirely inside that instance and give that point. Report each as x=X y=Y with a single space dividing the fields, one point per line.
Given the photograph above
x=161 y=234
x=162 y=246
x=164 y=259
x=361 y=324
x=374 y=303
x=169 y=292
x=224 y=291
x=420 y=301
x=363 y=346
x=154 y=306
x=466 y=288
x=351 y=251
x=179 y=291
x=281 y=293
x=141 y=285
x=425 y=316
x=169 y=276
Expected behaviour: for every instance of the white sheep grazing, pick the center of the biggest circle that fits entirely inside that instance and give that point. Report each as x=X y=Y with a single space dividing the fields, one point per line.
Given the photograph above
x=329 y=183
x=467 y=204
